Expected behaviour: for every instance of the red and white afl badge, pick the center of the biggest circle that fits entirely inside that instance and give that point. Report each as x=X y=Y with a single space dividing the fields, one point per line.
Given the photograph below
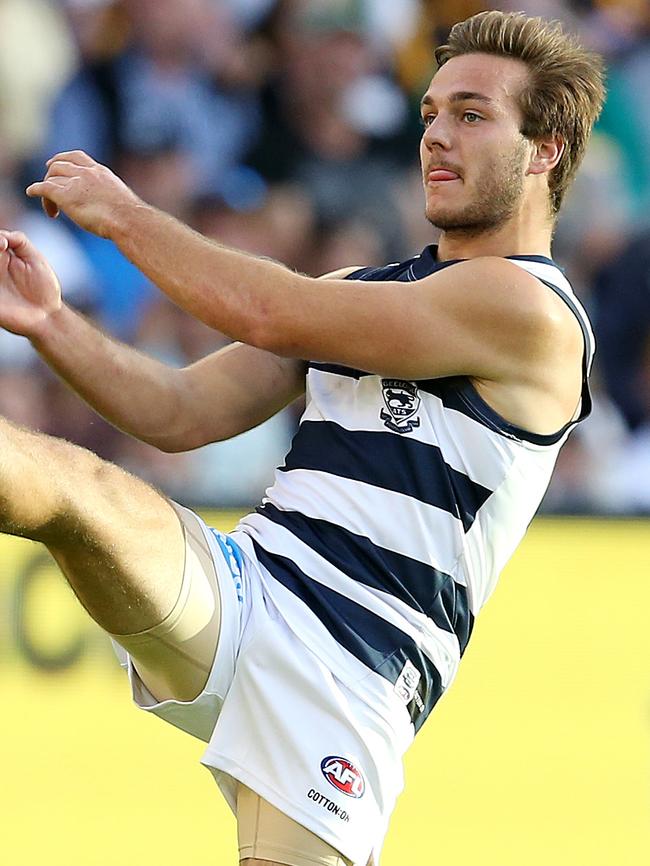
x=344 y=776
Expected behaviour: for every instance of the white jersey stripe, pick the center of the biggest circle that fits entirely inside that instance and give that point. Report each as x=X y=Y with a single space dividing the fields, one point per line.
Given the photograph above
x=346 y=406
x=392 y=484
x=408 y=531
x=439 y=645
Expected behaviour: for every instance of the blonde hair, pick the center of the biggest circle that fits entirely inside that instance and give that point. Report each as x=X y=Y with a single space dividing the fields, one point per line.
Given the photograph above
x=565 y=90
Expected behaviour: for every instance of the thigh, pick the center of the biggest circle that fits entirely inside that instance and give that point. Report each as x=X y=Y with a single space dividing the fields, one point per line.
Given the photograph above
x=120 y=545
x=268 y=836
x=117 y=540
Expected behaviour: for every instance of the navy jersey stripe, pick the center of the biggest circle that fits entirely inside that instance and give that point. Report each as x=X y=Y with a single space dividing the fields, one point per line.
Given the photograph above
x=339 y=369
x=423 y=265
x=459 y=393
x=377 y=643
x=420 y=586
x=398 y=464
x=399 y=272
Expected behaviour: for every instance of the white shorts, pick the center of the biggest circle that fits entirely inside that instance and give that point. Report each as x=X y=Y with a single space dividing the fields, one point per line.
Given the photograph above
x=278 y=720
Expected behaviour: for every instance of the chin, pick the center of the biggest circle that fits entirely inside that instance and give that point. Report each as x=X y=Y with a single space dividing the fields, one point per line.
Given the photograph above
x=444 y=219
x=465 y=222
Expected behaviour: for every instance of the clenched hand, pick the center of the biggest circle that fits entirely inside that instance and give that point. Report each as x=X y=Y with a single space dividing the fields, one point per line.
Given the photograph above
x=29 y=290
x=86 y=191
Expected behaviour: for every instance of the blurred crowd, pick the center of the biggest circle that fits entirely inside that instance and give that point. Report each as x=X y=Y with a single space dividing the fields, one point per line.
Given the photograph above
x=289 y=128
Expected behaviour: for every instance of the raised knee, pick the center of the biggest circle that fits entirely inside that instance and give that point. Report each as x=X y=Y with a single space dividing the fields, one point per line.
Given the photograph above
x=48 y=486
x=92 y=496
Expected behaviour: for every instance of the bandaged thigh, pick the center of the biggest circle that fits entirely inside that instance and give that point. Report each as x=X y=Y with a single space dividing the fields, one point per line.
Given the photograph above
x=174 y=658
x=265 y=833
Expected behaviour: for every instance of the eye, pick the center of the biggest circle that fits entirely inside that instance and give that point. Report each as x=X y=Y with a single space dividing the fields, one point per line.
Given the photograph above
x=427 y=119
x=471 y=117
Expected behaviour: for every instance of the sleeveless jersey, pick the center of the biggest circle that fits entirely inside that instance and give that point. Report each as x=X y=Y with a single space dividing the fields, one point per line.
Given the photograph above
x=396 y=508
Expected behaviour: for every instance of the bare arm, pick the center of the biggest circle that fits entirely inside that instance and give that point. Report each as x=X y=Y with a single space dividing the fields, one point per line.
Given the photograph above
x=218 y=397
x=484 y=318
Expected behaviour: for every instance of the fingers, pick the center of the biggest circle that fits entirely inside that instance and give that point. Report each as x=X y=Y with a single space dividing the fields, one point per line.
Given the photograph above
x=57 y=168
x=77 y=157
x=44 y=189
x=64 y=168
x=12 y=239
x=68 y=164
x=18 y=243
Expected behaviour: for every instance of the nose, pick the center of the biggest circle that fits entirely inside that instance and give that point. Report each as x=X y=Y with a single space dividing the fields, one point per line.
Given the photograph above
x=438 y=133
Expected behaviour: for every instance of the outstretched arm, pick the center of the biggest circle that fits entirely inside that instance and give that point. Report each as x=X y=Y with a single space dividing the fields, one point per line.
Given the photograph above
x=484 y=317
x=220 y=396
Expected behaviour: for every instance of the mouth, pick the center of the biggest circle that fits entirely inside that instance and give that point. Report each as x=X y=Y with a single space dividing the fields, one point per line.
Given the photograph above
x=442 y=175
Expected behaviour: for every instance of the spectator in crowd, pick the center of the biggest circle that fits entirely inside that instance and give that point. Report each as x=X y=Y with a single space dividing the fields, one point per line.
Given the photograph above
x=36 y=57
x=331 y=112
x=152 y=68
x=622 y=295
x=627 y=113
x=286 y=128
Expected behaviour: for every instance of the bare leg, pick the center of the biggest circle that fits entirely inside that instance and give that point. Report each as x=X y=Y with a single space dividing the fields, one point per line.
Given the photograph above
x=118 y=542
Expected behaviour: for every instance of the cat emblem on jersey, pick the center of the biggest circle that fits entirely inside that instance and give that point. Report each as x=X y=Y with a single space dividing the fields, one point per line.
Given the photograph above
x=402 y=402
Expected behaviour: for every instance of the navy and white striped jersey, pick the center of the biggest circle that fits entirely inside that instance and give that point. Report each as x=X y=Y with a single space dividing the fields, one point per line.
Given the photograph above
x=397 y=507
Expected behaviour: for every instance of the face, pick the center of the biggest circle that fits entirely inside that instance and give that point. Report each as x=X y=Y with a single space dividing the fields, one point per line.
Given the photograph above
x=473 y=155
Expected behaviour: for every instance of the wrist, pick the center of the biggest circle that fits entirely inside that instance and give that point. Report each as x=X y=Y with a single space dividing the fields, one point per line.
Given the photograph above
x=122 y=222
x=52 y=325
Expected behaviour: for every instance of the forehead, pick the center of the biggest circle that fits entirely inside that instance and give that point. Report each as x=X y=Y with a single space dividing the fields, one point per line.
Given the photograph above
x=500 y=79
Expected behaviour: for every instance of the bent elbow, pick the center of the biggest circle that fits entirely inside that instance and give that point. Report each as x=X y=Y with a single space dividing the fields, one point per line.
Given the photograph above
x=165 y=444
x=179 y=445
x=191 y=439
x=169 y=446
x=171 y=442
x=278 y=335
x=267 y=335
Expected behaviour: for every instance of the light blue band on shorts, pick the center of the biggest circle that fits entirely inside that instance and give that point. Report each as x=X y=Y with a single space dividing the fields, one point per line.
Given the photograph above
x=233 y=556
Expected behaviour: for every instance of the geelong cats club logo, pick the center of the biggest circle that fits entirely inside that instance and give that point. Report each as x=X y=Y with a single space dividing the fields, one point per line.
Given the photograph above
x=402 y=402
x=343 y=776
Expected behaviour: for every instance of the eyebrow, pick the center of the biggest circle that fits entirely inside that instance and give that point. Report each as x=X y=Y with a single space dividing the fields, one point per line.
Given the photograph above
x=460 y=96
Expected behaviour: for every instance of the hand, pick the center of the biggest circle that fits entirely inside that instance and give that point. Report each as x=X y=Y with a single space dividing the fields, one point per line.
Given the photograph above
x=29 y=289
x=89 y=193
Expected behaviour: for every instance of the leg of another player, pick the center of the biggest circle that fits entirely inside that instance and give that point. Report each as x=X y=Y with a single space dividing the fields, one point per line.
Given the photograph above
x=119 y=543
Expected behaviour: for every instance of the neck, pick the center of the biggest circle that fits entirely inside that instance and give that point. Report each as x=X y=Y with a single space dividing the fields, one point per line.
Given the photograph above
x=519 y=236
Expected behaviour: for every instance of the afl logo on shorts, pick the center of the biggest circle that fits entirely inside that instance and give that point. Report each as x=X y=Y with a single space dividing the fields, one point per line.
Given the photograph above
x=343 y=776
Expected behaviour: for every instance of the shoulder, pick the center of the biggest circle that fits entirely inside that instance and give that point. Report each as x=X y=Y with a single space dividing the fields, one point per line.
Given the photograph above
x=492 y=286
x=493 y=276
x=515 y=317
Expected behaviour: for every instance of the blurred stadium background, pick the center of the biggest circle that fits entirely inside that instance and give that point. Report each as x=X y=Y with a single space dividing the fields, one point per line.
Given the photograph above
x=289 y=128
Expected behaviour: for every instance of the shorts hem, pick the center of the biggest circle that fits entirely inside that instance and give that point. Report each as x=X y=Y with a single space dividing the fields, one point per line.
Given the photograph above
x=198 y=716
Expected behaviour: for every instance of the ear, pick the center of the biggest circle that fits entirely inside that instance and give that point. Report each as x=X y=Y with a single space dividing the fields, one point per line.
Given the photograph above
x=546 y=154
